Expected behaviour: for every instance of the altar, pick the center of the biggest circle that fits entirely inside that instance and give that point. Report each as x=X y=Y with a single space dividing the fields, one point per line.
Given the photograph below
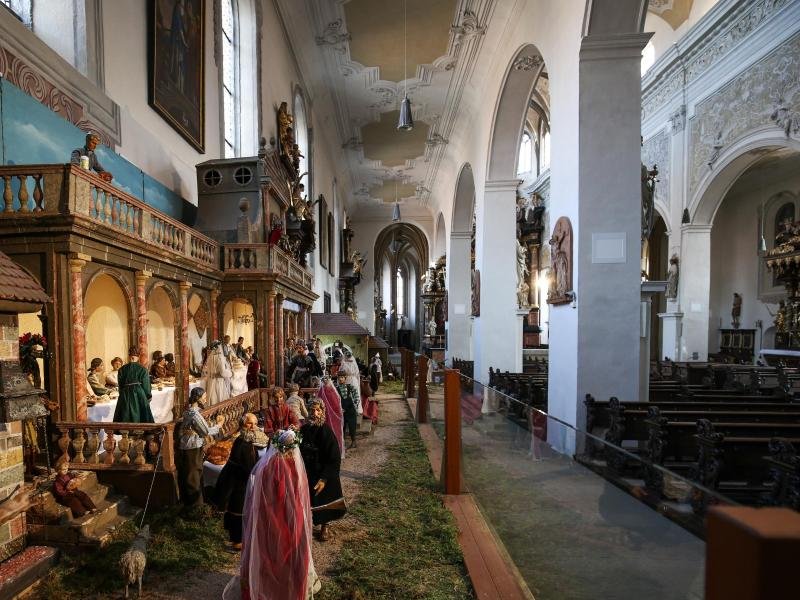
x=775 y=357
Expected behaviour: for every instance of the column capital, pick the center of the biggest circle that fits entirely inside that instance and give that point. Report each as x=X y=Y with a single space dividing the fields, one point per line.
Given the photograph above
x=616 y=46
x=692 y=228
x=271 y=294
x=501 y=185
x=77 y=261
x=215 y=292
x=184 y=286
x=142 y=276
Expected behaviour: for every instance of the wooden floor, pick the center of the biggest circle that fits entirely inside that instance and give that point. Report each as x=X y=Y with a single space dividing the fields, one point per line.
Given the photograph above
x=490 y=569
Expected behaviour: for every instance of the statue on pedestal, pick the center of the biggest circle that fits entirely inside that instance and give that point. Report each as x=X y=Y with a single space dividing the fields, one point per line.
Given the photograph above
x=736 y=310
x=672 y=278
x=523 y=295
x=432 y=327
x=522 y=262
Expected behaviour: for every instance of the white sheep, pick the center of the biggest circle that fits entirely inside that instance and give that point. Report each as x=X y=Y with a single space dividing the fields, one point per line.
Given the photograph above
x=133 y=562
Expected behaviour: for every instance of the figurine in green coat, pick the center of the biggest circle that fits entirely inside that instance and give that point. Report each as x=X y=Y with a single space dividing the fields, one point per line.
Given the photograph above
x=133 y=405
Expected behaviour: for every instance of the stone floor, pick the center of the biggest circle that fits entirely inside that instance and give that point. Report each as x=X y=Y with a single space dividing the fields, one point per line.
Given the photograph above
x=571 y=534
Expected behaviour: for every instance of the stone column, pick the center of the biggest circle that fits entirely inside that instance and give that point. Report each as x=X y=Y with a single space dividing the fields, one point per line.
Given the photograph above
x=76 y=264
x=141 y=316
x=519 y=337
x=459 y=297
x=496 y=251
x=303 y=321
x=281 y=333
x=185 y=351
x=214 y=314
x=595 y=340
x=694 y=291
x=650 y=290
x=271 y=336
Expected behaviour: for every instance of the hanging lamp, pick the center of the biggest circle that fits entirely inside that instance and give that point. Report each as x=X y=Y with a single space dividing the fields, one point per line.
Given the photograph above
x=762 y=244
x=396 y=207
x=406 y=122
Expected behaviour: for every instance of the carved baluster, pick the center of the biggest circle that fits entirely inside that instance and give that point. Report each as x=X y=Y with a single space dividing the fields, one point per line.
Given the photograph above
x=114 y=210
x=38 y=194
x=23 y=194
x=77 y=445
x=92 y=445
x=98 y=203
x=109 y=444
x=138 y=448
x=124 y=445
x=64 y=443
x=108 y=214
x=8 y=195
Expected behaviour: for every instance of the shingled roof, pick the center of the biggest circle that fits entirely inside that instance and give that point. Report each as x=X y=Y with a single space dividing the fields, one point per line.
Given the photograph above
x=335 y=324
x=376 y=342
x=19 y=292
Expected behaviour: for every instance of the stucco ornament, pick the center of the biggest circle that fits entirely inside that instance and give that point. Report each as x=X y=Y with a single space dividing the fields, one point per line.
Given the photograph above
x=766 y=94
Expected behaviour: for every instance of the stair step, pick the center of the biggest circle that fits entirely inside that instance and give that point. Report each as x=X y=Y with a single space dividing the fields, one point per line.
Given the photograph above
x=55 y=513
x=88 y=529
x=102 y=537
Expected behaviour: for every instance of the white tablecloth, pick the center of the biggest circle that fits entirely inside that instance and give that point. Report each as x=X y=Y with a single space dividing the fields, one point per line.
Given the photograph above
x=161 y=405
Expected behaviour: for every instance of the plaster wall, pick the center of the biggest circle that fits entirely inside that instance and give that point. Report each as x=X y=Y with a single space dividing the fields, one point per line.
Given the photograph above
x=160 y=322
x=107 y=321
x=148 y=140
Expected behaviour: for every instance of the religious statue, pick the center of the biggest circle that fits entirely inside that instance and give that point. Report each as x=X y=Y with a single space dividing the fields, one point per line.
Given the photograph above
x=672 y=278
x=358 y=263
x=430 y=281
x=648 y=199
x=780 y=318
x=476 y=293
x=432 y=327
x=561 y=263
x=285 y=130
x=522 y=262
x=736 y=310
x=523 y=295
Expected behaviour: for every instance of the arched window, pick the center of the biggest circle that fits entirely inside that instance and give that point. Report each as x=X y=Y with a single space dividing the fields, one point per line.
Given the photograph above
x=230 y=78
x=401 y=293
x=525 y=163
x=544 y=153
x=301 y=135
x=21 y=8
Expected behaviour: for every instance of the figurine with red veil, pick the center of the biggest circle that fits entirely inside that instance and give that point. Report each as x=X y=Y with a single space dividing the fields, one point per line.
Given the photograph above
x=333 y=411
x=276 y=553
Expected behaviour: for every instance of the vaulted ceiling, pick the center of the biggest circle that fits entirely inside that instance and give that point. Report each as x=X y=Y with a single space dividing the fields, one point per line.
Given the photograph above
x=359 y=60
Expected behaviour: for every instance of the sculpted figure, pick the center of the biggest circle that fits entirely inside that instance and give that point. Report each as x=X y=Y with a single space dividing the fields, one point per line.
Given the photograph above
x=672 y=278
x=523 y=295
x=522 y=262
x=736 y=310
x=92 y=141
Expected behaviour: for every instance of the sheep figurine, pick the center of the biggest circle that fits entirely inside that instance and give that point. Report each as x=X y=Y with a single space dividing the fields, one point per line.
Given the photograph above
x=133 y=562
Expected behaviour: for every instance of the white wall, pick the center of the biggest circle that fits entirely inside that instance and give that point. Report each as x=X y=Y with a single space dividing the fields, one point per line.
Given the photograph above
x=148 y=141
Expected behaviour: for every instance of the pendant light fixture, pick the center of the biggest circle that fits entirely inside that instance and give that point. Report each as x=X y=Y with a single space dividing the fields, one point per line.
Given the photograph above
x=762 y=244
x=396 y=208
x=406 y=122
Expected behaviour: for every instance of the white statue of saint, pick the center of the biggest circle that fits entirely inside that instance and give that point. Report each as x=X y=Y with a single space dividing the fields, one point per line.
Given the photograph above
x=522 y=262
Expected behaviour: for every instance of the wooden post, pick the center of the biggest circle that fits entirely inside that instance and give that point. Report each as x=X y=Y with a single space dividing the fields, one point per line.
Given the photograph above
x=451 y=461
x=422 y=394
x=410 y=391
x=182 y=381
x=751 y=553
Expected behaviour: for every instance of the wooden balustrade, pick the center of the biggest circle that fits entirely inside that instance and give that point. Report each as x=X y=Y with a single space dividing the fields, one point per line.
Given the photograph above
x=32 y=190
x=137 y=449
x=233 y=409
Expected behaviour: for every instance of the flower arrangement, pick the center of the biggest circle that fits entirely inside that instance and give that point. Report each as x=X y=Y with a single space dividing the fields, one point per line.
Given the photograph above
x=31 y=347
x=286 y=440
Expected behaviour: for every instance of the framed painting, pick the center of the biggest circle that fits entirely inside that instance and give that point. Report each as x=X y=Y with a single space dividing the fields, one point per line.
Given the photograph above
x=176 y=62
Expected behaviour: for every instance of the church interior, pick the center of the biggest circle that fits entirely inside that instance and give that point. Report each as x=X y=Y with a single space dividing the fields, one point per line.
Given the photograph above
x=221 y=219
